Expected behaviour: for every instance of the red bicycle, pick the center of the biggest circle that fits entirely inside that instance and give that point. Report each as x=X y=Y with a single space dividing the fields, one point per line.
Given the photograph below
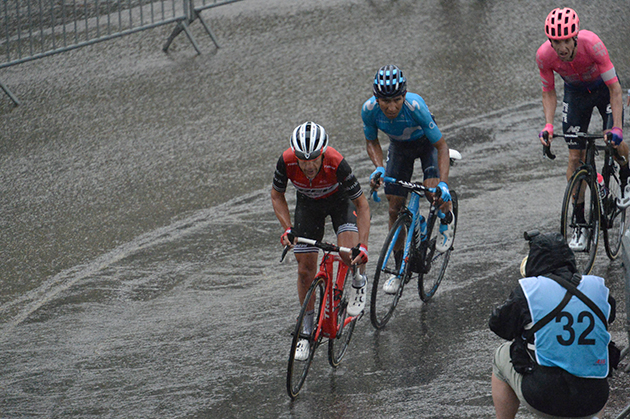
x=329 y=294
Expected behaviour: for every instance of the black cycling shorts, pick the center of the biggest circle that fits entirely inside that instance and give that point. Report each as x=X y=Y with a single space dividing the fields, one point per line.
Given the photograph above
x=577 y=109
x=401 y=157
x=310 y=217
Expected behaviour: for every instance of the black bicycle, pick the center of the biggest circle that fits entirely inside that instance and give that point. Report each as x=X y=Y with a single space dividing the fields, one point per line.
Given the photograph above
x=590 y=205
x=413 y=237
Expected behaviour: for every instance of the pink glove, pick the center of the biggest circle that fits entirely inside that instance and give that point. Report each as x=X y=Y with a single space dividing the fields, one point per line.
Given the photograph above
x=615 y=135
x=549 y=130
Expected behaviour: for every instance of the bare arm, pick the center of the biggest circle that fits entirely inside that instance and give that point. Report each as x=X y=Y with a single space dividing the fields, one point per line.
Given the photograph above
x=444 y=162
x=616 y=103
x=549 y=101
x=375 y=152
x=363 y=220
x=281 y=208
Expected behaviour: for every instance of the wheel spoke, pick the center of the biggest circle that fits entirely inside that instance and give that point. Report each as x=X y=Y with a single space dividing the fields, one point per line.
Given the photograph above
x=429 y=281
x=382 y=304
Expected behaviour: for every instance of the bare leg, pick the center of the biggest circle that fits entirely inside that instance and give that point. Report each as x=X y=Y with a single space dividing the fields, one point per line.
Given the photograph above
x=307 y=269
x=576 y=157
x=505 y=401
x=395 y=204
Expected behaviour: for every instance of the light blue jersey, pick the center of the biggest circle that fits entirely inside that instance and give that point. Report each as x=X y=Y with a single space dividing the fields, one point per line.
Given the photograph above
x=412 y=123
x=576 y=340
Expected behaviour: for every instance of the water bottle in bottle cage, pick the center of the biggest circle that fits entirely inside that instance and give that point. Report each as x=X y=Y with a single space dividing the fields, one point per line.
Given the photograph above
x=603 y=191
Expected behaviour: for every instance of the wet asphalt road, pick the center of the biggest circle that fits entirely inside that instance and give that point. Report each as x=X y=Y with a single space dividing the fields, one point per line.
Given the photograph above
x=139 y=264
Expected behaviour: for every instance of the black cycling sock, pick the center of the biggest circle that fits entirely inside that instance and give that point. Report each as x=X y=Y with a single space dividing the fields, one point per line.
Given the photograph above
x=398 y=255
x=579 y=213
x=447 y=218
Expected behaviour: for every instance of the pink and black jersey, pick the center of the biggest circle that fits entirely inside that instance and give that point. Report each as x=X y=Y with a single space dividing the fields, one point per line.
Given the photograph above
x=590 y=67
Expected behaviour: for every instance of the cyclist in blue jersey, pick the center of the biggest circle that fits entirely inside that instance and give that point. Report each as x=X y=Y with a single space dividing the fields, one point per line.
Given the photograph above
x=557 y=358
x=413 y=134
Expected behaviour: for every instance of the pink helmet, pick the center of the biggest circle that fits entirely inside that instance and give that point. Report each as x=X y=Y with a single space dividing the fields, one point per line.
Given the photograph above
x=562 y=24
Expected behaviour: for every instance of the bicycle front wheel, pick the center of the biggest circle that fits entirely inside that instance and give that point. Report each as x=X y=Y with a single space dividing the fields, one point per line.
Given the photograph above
x=435 y=263
x=338 y=346
x=383 y=304
x=580 y=218
x=298 y=368
x=613 y=218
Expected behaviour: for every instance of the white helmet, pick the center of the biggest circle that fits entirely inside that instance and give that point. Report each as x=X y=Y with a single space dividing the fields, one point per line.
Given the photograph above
x=309 y=140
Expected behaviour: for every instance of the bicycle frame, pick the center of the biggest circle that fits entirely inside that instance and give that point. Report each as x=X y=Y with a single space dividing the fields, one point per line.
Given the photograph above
x=589 y=163
x=333 y=322
x=327 y=324
x=327 y=320
x=414 y=209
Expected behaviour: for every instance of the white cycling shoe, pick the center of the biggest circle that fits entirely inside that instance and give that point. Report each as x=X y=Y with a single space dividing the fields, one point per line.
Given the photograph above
x=356 y=304
x=445 y=239
x=302 y=350
x=391 y=285
x=579 y=240
x=624 y=201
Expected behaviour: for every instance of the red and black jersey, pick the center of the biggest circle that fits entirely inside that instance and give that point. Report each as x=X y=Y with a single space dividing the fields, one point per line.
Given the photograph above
x=335 y=175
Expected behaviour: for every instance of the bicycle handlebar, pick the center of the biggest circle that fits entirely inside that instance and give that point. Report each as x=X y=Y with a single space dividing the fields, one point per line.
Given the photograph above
x=453 y=156
x=547 y=148
x=415 y=187
x=583 y=135
x=327 y=247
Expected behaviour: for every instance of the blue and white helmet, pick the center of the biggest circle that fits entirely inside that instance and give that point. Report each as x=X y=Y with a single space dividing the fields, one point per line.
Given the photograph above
x=389 y=82
x=309 y=140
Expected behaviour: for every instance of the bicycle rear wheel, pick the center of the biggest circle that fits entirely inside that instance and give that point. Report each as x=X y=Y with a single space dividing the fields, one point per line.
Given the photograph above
x=382 y=304
x=435 y=262
x=613 y=218
x=338 y=346
x=582 y=184
x=298 y=369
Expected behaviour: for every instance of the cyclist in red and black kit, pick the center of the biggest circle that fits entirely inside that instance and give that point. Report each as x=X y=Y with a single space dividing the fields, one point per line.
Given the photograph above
x=590 y=81
x=325 y=187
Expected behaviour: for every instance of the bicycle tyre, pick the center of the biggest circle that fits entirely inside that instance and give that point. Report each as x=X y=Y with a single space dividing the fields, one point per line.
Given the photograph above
x=434 y=263
x=613 y=218
x=382 y=305
x=297 y=370
x=338 y=346
x=582 y=182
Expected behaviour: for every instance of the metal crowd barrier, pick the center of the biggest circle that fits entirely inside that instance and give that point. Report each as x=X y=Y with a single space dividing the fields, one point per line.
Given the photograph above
x=33 y=29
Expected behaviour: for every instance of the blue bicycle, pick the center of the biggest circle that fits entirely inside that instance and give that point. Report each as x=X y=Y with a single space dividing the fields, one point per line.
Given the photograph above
x=408 y=252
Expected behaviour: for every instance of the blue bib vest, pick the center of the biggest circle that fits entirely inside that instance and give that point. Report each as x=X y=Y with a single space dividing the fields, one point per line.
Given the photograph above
x=576 y=340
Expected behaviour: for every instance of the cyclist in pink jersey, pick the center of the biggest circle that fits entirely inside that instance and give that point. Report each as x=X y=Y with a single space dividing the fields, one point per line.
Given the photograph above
x=590 y=81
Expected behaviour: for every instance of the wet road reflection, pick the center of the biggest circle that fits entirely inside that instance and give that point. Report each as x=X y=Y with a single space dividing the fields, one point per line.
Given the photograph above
x=140 y=262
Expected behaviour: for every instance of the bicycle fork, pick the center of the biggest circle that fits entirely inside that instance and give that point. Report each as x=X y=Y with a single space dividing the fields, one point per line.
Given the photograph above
x=327 y=323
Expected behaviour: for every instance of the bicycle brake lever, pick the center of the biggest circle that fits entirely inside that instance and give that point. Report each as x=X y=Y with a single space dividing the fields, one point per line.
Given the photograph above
x=284 y=253
x=373 y=191
x=547 y=152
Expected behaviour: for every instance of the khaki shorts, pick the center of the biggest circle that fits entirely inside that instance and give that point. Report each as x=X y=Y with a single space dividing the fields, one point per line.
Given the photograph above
x=502 y=369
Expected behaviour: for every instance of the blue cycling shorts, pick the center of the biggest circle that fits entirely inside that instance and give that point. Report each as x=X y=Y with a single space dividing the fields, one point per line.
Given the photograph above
x=401 y=157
